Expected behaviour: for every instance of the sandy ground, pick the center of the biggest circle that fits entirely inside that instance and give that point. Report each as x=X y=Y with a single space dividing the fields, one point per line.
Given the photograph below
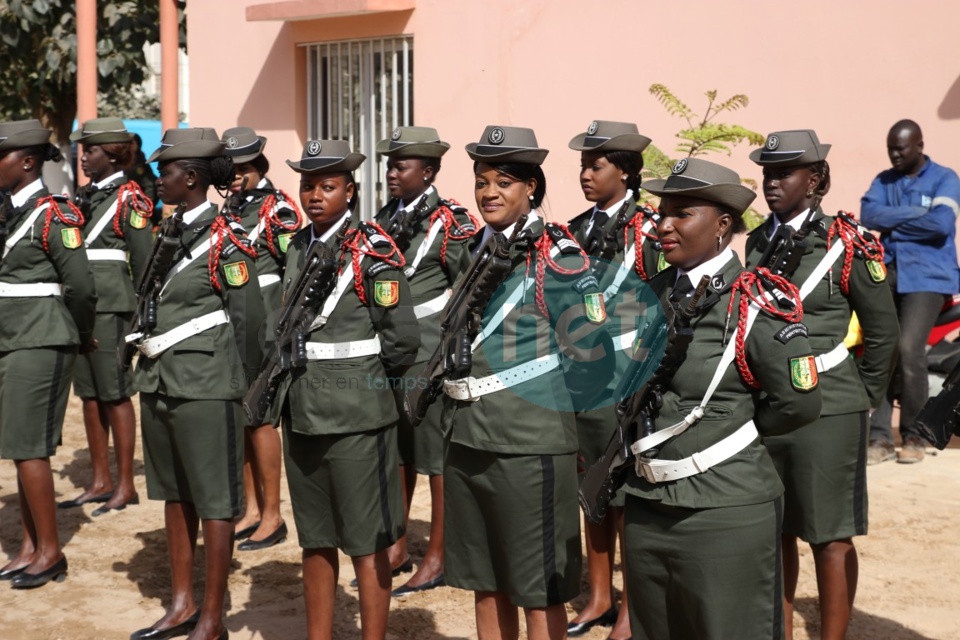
x=119 y=581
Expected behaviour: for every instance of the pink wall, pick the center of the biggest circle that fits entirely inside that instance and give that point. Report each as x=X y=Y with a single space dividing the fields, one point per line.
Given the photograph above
x=847 y=69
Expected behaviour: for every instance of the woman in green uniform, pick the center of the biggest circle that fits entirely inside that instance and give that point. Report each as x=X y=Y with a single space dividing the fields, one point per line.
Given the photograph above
x=339 y=413
x=432 y=234
x=703 y=514
x=192 y=372
x=47 y=310
x=118 y=238
x=823 y=466
x=612 y=232
x=510 y=481
x=270 y=219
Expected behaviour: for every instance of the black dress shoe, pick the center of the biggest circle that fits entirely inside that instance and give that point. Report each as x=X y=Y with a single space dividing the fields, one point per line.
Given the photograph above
x=274 y=538
x=607 y=619
x=10 y=574
x=439 y=581
x=58 y=573
x=182 y=629
x=76 y=502
x=246 y=532
x=406 y=567
x=99 y=511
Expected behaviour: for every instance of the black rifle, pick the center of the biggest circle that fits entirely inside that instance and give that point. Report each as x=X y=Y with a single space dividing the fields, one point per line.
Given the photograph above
x=939 y=419
x=6 y=206
x=234 y=201
x=151 y=281
x=637 y=412
x=298 y=312
x=406 y=224
x=460 y=323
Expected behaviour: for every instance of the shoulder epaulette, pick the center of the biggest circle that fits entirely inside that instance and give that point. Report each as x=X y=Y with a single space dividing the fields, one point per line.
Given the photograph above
x=561 y=238
x=375 y=234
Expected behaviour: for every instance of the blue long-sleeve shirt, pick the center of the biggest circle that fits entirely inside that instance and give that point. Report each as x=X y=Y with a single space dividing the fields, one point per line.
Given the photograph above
x=917 y=219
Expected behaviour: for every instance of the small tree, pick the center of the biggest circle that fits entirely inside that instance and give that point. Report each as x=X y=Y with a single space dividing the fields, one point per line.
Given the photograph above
x=702 y=136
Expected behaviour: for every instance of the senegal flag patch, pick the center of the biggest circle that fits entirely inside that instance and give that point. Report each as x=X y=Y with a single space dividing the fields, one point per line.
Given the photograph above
x=139 y=219
x=596 y=310
x=878 y=271
x=386 y=293
x=803 y=373
x=661 y=263
x=283 y=241
x=237 y=274
x=71 y=237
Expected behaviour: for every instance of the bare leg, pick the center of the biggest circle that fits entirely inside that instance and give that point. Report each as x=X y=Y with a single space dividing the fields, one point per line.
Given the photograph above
x=182 y=525
x=791 y=573
x=398 y=553
x=373 y=580
x=621 y=629
x=218 y=549
x=837 y=573
x=28 y=536
x=36 y=480
x=96 y=423
x=320 y=571
x=432 y=565
x=549 y=623
x=497 y=617
x=265 y=441
x=123 y=424
x=251 y=488
x=601 y=542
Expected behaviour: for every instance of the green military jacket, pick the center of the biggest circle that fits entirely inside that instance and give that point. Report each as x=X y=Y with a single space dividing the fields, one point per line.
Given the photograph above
x=351 y=395
x=218 y=363
x=848 y=387
x=749 y=476
x=64 y=320
x=433 y=276
x=115 y=280
x=271 y=247
x=651 y=260
x=535 y=417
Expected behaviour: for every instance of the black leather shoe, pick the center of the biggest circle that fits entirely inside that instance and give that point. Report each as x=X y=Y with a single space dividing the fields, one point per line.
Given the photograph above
x=607 y=619
x=58 y=573
x=99 y=511
x=76 y=502
x=10 y=574
x=406 y=567
x=439 y=581
x=274 y=538
x=246 y=532
x=182 y=629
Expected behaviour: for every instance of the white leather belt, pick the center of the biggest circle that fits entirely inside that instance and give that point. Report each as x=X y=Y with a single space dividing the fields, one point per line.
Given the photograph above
x=268 y=279
x=431 y=307
x=153 y=347
x=654 y=470
x=830 y=359
x=107 y=254
x=343 y=350
x=30 y=290
x=470 y=389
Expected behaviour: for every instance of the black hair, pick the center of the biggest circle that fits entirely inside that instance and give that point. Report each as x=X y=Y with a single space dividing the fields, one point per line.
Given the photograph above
x=354 y=202
x=822 y=169
x=631 y=163
x=738 y=225
x=216 y=172
x=43 y=152
x=523 y=171
x=433 y=163
x=120 y=152
x=261 y=164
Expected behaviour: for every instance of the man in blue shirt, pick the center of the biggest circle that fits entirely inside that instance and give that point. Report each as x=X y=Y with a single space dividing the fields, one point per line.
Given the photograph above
x=914 y=206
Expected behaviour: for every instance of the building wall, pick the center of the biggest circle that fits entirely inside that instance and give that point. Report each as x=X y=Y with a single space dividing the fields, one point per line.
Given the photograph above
x=847 y=69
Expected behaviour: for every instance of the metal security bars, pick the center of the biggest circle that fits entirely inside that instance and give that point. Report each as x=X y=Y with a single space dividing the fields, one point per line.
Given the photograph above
x=359 y=91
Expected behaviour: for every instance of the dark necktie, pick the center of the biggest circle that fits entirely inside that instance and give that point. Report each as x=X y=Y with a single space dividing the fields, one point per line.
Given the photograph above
x=681 y=289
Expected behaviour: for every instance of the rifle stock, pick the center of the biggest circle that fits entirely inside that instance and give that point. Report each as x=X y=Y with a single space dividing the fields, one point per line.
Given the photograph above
x=405 y=225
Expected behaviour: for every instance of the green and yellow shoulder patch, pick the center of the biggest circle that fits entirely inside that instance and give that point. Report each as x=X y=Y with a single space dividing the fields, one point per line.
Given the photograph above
x=878 y=271
x=237 y=273
x=386 y=293
x=72 y=238
x=596 y=310
x=661 y=263
x=139 y=219
x=283 y=241
x=803 y=373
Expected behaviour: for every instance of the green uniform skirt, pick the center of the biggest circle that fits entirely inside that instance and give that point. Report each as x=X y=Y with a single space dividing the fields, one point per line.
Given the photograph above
x=823 y=467
x=708 y=574
x=97 y=375
x=193 y=452
x=34 y=387
x=594 y=430
x=422 y=446
x=345 y=489
x=512 y=525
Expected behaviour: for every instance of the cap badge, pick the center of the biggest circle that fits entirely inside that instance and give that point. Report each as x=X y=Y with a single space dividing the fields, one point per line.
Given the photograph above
x=772 y=142
x=680 y=165
x=396 y=134
x=313 y=148
x=592 y=129
x=232 y=142
x=496 y=135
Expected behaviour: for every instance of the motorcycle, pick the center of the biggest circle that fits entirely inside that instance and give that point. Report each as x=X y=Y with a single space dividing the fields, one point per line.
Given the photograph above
x=943 y=353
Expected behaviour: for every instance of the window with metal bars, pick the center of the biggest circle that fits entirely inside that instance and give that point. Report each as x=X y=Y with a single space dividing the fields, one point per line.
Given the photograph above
x=359 y=91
